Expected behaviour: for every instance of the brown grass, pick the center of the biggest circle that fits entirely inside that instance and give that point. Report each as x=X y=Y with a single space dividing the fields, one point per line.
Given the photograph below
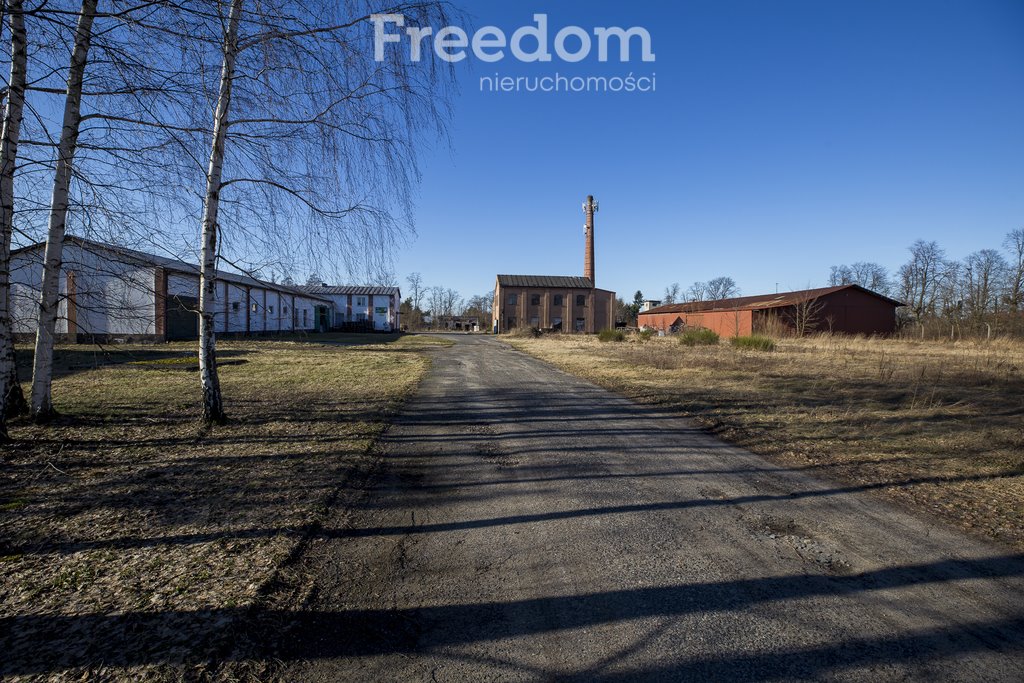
x=938 y=426
x=121 y=506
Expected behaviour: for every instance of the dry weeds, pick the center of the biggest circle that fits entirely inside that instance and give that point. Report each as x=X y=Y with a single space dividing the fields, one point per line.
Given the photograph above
x=937 y=426
x=122 y=508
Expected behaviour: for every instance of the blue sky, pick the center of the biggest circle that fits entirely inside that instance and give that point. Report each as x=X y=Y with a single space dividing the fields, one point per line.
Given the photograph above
x=783 y=137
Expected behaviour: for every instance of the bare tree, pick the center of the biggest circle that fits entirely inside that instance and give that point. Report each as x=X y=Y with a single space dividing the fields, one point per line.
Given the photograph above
x=722 y=288
x=982 y=279
x=415 y=281
x=311 y=127
x=671 y=294
x=1014 y=244
x=42 y=368
x=698 y=291
x=867 y=274
x=919 y=277
x=11 y=398
x=805 y=315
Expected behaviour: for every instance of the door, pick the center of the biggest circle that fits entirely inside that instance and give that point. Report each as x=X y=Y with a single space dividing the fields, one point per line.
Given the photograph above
x=182 y=317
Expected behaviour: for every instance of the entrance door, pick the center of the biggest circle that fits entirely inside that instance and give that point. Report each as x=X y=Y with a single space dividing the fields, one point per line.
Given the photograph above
x=182 y=317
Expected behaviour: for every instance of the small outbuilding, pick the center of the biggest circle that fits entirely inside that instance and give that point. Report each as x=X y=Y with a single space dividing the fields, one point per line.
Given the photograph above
x=848 y=309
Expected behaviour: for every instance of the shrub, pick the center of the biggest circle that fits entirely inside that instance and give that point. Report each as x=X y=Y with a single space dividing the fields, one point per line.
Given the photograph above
x=644 y=335
x=608 y=335
x=529 y=332
x=755 y=341
x=699 y=337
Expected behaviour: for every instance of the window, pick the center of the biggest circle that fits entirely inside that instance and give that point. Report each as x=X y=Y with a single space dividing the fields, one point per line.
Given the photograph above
x=270 y=309
x=580 y=324
x=535 y=299
x=360 y=301
x=513 y=299
x=581 y=299
x=286 y=310
x=235 y=305
x=556 y=324
x=512 y=322
x=557 y=301
x=304 y=312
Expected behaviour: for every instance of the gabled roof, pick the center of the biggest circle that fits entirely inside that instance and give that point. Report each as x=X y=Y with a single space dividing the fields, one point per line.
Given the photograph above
x=125 y=255
x=553 y=281
x=763 y=301
x=327 y=290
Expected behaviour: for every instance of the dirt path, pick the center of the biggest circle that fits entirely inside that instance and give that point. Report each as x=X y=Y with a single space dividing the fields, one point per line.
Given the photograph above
x=527 y=525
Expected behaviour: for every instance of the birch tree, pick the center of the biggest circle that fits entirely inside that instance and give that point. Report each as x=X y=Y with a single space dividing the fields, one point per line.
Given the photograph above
x=213 y=405
x=11 y=399
x=42 y=365
x=315 y=139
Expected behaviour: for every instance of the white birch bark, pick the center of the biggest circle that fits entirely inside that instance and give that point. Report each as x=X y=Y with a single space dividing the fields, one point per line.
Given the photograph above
x=42 y=364
x=213 y=407
x=11 y=398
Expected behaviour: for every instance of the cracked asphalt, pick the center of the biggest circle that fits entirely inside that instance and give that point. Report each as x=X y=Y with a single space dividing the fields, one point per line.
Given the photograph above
x=523 y=524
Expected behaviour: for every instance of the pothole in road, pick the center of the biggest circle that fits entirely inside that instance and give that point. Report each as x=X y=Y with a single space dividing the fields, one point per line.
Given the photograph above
x=787 y=535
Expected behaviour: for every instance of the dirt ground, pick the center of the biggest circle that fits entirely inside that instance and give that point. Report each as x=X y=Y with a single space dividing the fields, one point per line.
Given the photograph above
x=122 y=507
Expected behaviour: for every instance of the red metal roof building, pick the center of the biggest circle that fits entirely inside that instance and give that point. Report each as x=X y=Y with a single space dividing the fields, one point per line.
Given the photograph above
x=849 y=309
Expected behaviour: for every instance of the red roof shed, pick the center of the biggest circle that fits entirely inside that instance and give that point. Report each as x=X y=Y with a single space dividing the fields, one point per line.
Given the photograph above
x=849 y=309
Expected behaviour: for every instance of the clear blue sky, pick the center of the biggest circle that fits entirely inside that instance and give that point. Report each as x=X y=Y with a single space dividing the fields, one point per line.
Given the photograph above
x=784 y=136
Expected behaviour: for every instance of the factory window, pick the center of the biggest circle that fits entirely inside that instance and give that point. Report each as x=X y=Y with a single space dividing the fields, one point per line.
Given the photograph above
x=512 y=323
x=304 y=312
x=581 y=299
x=535 y=299
x=270 y=309
x=286 y=310
x=361 y=301
x=557 y=300
x=235 y=305
x=513 y=299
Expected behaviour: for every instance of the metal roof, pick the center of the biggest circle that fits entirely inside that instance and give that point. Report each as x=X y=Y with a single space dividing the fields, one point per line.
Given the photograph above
x=763 y=301
x=328 y=290
x=126 y=255
x=551 y=281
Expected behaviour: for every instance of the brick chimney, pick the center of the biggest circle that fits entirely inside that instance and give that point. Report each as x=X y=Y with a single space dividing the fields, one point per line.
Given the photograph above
x=588 y=255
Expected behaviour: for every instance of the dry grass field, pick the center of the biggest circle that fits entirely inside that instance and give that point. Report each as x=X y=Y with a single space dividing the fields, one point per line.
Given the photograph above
x=937 y=426
x=121 y=510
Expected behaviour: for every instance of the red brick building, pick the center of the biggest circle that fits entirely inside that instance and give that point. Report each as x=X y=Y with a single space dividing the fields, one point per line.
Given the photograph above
x=849 y=309
x=562 y=303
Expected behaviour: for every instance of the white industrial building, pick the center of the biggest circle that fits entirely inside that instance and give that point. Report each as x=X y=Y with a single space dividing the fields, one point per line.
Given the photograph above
x=358 y=307
x=109 y=292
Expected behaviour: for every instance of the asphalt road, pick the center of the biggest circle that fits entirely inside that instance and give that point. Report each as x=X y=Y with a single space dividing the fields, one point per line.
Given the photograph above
x=526 y=525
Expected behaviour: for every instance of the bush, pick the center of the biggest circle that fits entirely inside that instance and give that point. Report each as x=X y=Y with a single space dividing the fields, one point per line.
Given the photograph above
x=700 y=337
x=754 y=341
x=644 y=335
x=528 y=332
x=608 y=335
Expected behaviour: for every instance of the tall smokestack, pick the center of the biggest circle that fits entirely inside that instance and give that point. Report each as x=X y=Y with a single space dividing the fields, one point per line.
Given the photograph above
x=588 y=255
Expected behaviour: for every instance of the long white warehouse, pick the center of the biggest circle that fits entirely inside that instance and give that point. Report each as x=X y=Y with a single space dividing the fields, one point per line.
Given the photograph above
x=109 y=292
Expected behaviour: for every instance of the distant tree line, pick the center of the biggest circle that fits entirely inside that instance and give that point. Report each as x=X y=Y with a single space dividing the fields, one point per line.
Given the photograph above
x=982 y=292
x=433 y=307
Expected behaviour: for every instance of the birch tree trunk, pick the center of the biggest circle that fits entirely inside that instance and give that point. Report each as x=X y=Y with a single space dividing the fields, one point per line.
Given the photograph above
x=213 y=407
x=12 y=401
x=42 y=364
